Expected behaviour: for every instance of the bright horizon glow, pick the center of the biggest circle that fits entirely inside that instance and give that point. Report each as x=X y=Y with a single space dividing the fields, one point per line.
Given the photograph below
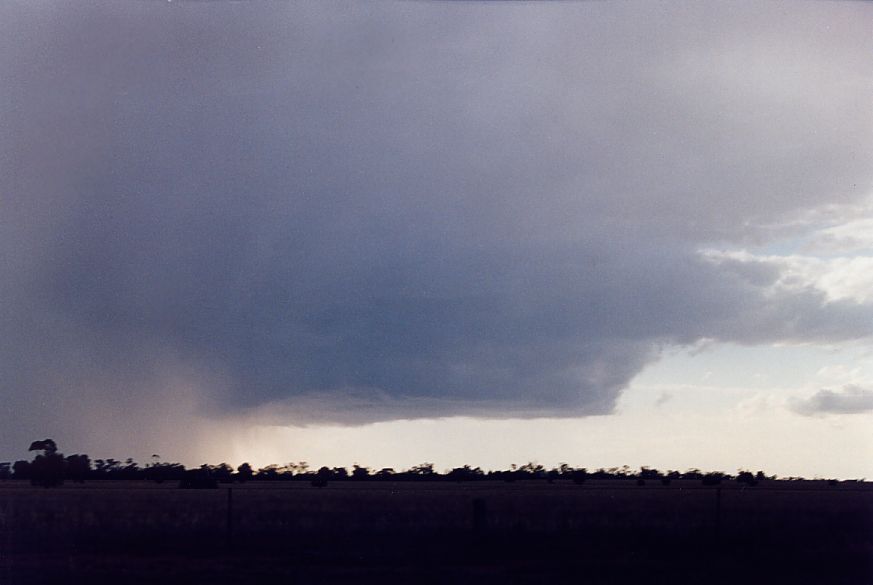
x=660 y=423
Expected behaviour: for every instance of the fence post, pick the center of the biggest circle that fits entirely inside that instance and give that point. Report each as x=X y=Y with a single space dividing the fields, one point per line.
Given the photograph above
x=229 y=533
x=717 y=511
x=480 y=516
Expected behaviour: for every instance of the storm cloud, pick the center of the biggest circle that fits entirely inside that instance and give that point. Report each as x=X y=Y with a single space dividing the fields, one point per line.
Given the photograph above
x=361 y=212
x=851 y=400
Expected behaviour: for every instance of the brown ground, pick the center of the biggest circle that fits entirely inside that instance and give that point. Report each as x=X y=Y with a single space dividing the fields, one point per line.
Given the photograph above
x=367 y=532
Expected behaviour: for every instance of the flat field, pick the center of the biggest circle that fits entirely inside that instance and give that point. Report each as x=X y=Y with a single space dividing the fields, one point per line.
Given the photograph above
x=442 y=532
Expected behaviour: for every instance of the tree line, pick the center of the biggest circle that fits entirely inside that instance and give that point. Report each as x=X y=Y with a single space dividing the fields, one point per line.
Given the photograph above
x=51 y=468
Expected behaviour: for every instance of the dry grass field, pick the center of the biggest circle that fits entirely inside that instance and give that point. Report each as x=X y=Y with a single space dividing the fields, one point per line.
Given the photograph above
x=409 y=532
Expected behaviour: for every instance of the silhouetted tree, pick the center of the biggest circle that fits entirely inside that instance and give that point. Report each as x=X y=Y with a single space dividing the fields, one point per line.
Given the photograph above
x=299 y=468
x=222 y=472
x=465 y=473
x=579 y=475
x=747 y=478
x=153 y=470
x=321 y=477
x=713 y=478
x=160 y=472
x=668 y=477
x=107 y=468
x=244 y=472
x=130 y=471
x=270 y=472
x=47 y=469
x=359 y=472
x=502 y=475
x=21 y=469
x=531 y=470
x=78 y=467
x=422 y=469
x=198 y=479
x=52 y=468
x=647 y=473
x=47 y=446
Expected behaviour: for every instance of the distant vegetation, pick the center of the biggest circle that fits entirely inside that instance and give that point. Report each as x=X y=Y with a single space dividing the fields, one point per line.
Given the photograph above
x=51 y=468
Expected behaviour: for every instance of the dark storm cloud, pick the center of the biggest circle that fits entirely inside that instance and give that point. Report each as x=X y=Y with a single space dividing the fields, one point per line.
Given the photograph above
x=420 y=209
x=851 y=400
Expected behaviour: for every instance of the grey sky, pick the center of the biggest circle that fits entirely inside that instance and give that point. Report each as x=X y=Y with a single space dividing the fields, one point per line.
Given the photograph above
x=355 y=212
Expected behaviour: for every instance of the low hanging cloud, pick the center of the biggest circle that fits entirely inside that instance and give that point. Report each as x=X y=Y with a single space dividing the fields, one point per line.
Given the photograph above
x=313 y=213
x=851 y=399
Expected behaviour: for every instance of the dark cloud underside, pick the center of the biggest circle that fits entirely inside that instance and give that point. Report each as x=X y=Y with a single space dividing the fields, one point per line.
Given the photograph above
x=850 y=400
